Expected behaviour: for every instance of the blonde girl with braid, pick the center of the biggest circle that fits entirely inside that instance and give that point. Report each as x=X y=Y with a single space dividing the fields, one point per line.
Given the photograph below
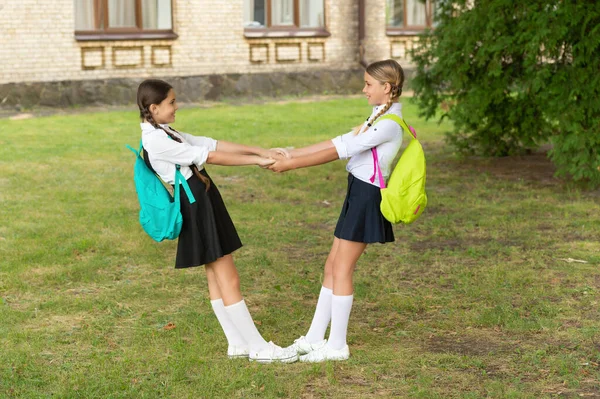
x=360 y=222
x=208 y=236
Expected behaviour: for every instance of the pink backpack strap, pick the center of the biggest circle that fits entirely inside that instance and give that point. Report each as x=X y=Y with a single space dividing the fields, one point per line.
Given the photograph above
x=377 y=169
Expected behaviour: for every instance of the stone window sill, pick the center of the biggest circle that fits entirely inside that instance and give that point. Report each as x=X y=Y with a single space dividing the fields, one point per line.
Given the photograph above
x=262 y=33
x=100 y=36
x=403 y=32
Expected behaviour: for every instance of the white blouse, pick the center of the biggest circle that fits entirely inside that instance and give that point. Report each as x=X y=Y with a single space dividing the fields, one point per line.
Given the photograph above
x=164 y=153
x=386 y=135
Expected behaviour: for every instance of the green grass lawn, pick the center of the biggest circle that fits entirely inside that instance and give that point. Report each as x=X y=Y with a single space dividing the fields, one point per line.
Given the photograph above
x=480 y=298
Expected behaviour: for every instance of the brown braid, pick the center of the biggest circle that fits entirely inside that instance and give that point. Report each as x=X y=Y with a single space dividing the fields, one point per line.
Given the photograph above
x=147 y=115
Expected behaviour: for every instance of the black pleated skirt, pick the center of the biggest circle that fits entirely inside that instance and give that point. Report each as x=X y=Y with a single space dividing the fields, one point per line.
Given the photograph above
x=207 y=233
x=361 y=219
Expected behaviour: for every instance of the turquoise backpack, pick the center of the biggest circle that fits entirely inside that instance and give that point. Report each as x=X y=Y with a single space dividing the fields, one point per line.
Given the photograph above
x=160 y=213
x=404 y=198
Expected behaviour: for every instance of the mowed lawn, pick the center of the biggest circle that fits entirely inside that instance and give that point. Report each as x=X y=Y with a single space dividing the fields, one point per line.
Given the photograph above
x=493 y=293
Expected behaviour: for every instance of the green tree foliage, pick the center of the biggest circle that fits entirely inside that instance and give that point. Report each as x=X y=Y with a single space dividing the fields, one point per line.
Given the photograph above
x=512 y=75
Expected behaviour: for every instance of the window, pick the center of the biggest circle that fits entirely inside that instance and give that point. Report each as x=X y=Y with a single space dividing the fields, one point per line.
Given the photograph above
x=291 y=17
x=123 y=19
x=408 y=16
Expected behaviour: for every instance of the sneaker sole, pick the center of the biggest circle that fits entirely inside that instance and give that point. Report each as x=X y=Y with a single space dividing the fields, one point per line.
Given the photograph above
x=324 y=360
x=302 y=352
x=237 y=356
x=291 y=359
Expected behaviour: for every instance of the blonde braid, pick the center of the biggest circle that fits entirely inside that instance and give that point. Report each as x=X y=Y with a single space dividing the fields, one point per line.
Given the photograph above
x=370 y=123
x=383 y=110
x=145 y=113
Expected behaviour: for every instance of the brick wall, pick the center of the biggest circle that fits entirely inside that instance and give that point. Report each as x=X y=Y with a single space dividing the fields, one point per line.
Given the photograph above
x=37 y=44
x=378 y=45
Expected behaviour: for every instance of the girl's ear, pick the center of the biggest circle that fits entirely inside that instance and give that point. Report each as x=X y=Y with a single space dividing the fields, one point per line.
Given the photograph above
x=153 y=108
x=387 y=88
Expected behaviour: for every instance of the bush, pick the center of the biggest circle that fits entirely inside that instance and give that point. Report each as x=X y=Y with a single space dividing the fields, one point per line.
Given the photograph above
x=514 y=75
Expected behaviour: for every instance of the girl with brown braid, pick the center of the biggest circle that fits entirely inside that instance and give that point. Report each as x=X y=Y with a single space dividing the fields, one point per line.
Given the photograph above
x=360 y=222
x=208 y=236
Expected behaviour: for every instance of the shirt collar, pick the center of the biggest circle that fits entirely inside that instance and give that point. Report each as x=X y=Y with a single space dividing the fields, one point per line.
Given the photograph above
x=147 y=127
x=393 y=108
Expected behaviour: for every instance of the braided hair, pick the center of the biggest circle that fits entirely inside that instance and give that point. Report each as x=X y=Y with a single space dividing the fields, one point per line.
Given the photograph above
x=154 y=91
x=386 y=71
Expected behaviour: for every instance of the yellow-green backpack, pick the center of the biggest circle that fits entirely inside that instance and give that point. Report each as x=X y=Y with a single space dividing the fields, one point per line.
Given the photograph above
x=404 y=198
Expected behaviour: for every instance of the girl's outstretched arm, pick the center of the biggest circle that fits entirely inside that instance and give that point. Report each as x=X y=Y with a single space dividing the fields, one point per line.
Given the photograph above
x=312 y=159
x=311 y=149
x=235 y=159
x=227 y=146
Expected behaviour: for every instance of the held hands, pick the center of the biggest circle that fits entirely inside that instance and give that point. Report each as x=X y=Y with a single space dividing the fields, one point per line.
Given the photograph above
x=282 y=157
x=265 y=162
x=281 y=166
x=265 y=158
x=278 y=153
x=275 y=159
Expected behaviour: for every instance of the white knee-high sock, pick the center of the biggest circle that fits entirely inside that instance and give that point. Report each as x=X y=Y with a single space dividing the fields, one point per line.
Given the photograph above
x=321 y=318
x=234 y=337
x=341 y=305
x=241 y=318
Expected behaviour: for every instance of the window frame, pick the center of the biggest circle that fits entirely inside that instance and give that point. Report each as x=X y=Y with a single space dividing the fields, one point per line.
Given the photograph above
x=286 y=30
x=133 y=33
x=413 y=29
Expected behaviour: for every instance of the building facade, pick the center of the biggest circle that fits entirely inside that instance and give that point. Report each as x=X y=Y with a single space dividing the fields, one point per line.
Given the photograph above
x=65 y=52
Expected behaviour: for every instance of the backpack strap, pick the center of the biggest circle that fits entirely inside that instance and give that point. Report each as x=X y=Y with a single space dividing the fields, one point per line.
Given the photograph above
x=177 y=183
x=137 y=153
x=179 y=179
x=376 y=167
x=182 y=180
x=399 y=121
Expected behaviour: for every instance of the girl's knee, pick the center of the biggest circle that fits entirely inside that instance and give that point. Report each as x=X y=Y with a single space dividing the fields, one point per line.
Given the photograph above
x=230 y=277
x=341 y=270
x=234 y=282
x=328 y=270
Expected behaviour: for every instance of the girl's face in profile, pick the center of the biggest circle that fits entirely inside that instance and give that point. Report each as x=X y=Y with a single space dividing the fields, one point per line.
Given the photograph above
x=376 y=92
x=165 y=111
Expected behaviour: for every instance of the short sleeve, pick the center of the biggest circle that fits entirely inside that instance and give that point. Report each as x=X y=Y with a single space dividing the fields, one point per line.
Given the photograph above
x=163 y=148
x=349 y=144
x=200 y=141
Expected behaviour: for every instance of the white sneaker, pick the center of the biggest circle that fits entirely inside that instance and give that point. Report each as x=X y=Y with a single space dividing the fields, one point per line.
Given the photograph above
x=302 y=346
x=273 y=353
x=235 y=352
x=326 y=353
